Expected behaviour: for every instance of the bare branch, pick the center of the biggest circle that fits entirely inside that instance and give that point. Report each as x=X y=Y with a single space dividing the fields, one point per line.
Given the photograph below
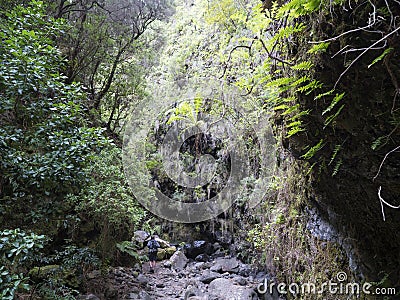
x=382 y=201
x=370 y=24
x=362 y=53
x=340 y=35
x=383 y=161
x=230 y=56
x=272 y=56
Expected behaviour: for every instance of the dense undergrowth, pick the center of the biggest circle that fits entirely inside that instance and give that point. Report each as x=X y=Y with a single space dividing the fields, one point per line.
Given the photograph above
x=323 y=72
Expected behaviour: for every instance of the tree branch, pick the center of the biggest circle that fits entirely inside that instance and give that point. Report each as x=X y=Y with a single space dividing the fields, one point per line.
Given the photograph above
x=272 y=56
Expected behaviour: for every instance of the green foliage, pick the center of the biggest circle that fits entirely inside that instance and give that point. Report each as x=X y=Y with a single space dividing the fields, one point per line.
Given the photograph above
x=313 y=150
x=331 y=118
x=129 y=248
x=17 y=246
x=279 y=52
x=335 y=100
x=10 y=283
x=335 y=153
x=186 y=111
x=60 y=275
x=107 y=199
x=378 y=142
x=73 y=257
x=18 y=250
x=337 y=167
x=286 y=32
x=110 y=49
x=44 y=138
x=296 y=8
x=318 y=48
x=304 y=65
x=382 y=56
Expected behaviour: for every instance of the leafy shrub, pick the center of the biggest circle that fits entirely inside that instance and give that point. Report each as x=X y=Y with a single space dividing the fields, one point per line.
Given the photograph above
x=107 y=201
x=18 y=250
x=65 y=273
x=132 y=250
x=44 y=138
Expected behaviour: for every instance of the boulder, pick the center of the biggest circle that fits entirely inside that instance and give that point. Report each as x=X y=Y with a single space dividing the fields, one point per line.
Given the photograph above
x=142 y=279
x=133 y=296
x=222 y=265
x=202 y=257
x=193 y=293
x=140 y=236
x=144 y=296
x=240 y=280
x=224 y=289
x=170 y=251
x=219 y=253
x=209 y=276
x=216 y=268
x=161 y=254
x=196 y=248
x=178 y=260
x=167 y=264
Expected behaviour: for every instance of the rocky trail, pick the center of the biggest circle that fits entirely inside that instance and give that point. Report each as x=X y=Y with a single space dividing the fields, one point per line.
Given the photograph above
x=221 y=278
x=200 y=271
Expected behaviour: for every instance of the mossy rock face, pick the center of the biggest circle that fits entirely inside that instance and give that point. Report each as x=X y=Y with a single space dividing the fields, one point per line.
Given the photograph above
x=161 y=254
x=165 y=253
x=170 y=251
x=45 y=272
x=69 y=277
x=72 y=278
x=343 y=185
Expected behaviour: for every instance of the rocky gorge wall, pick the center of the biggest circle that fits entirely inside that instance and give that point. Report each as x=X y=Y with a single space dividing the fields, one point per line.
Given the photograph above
x=366 y=131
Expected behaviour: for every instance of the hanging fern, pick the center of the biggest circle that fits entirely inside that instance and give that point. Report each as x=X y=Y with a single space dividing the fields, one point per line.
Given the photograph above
x=318 y=48
x=313 y=150
x=331 y=118
x=335 y=100
x=337 y=167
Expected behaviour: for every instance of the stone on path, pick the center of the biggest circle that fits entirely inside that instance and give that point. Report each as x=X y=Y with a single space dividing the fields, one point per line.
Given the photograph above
x=142 y=279
x=224 y=289
x=178 y=260
x=209 y=276
x=230 y=265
